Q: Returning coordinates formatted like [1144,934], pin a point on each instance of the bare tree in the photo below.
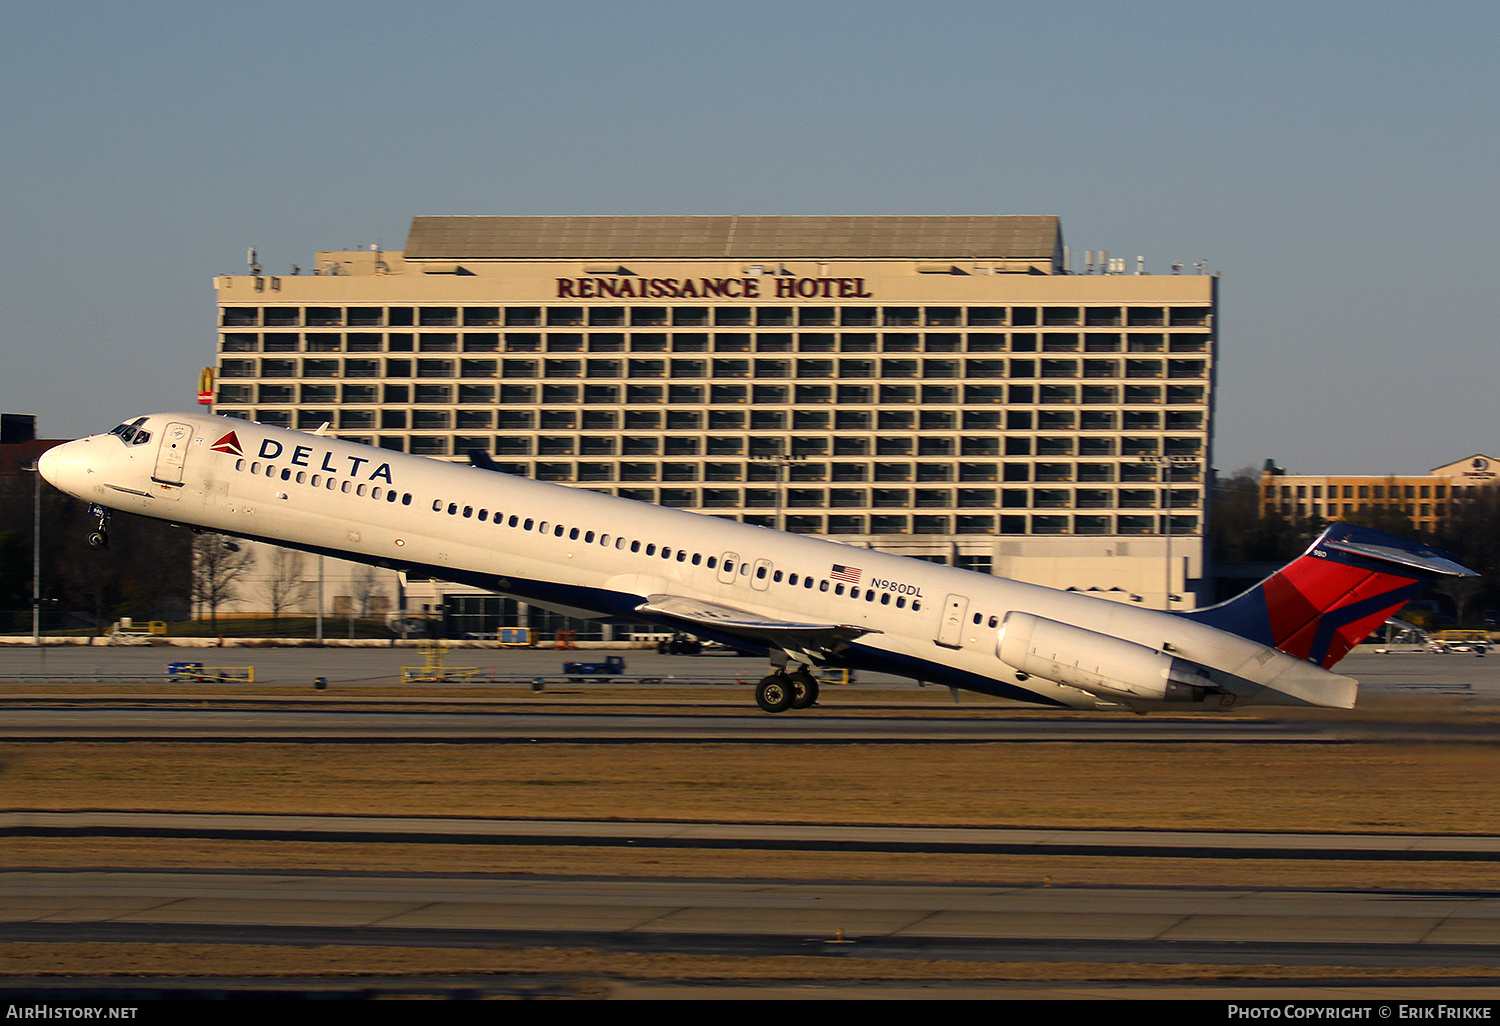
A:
[1472,534]
[364,585]
[1465,593]
[1240,532]
[219,566]
[286,583]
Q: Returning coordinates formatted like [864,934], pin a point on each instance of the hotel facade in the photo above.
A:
[939,387]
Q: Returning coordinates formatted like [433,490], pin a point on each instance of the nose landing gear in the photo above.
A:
[99,536]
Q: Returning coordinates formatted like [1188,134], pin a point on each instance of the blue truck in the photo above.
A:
[613,666]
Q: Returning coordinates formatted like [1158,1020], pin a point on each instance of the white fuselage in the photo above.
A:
[597,555]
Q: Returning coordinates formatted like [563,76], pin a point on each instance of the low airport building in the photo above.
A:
[1427,500]
[939,387]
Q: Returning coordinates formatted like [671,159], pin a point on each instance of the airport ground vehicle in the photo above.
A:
[611,666]
[1464,642]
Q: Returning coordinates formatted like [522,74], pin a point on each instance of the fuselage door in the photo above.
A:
[729,565]
[760,576]
[172,454]
[951,629]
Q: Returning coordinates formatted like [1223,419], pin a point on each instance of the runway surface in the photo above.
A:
[112,720]
[1175,844]
[1477,679]
[1217,925]
[1192,917]
[67,694]
[916,919]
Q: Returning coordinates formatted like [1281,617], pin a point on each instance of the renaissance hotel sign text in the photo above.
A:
[712,288]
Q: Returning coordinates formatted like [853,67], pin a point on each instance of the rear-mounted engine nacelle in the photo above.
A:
[1097,663]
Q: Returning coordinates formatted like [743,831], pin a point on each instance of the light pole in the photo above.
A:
[1166,602]
[320,600]
[1167,463]
[36,557]
[780,461]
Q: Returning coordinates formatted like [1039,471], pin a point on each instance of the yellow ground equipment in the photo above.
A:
[433,670]
[197,673]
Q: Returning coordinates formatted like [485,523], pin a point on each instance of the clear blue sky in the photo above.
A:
[1336,162]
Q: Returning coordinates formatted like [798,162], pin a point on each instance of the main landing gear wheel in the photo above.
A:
[805,687]
[775,693]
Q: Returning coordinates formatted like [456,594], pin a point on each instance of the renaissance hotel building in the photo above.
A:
[939,387]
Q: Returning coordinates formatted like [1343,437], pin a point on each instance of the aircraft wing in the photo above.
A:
[814,640]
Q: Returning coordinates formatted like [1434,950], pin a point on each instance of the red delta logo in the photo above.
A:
[230,443]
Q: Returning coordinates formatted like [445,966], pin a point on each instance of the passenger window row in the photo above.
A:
[343,485]
[666,552]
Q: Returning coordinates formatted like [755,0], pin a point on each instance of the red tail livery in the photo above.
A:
[1331,597]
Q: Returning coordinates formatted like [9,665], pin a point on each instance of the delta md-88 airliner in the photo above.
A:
[804,601]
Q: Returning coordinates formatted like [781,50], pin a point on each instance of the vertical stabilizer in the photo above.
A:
[1331,597]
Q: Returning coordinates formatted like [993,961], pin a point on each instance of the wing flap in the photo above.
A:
[816,640]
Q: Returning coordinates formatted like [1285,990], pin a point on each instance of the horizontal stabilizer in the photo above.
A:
[1427,562]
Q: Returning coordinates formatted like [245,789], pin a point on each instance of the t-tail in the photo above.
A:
[1330,598]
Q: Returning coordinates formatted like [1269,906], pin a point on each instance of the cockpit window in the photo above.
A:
[133,433]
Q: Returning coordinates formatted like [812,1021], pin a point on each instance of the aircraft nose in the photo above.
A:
[48,464]
[63,466]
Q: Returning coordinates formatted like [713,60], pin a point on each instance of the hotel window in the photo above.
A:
[437,316]
[434,394]
[731,342]
[1185,316]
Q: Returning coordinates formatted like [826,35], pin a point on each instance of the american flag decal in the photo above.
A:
[847,574]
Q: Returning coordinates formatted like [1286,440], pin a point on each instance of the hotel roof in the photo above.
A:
[771,237]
